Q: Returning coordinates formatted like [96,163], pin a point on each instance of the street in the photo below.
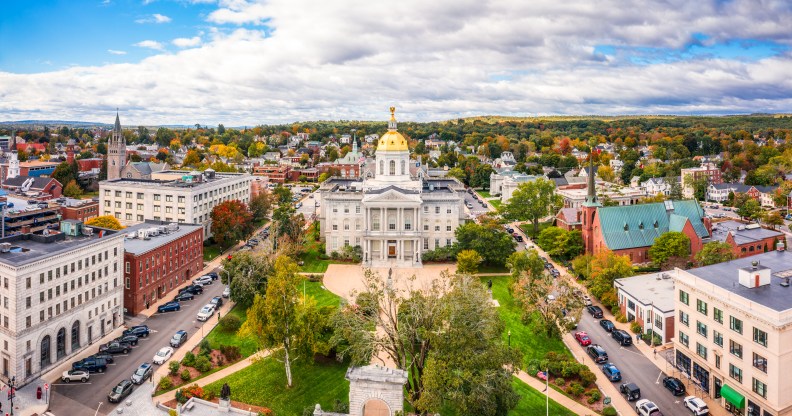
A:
[477,209]
[83,398]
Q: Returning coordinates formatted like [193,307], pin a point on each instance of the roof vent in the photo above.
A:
[5,247]
[780,246]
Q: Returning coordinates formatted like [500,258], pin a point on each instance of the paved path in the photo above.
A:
[346,279]
[565,401]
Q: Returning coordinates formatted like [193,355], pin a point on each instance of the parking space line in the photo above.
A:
[70,384]
[658,378]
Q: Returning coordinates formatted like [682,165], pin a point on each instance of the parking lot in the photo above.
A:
[77,398]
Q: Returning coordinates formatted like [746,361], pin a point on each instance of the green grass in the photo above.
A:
[484,194]
[263,383]
[495,203]
[323,296]
[247,346]
[493,269]
[211,251]
[313,259]
[528,227]
[533,401]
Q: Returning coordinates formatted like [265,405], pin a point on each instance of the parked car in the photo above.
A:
[622,337]
[141,331]
[75,375]
[227,292]
[203,281]
[105,356]
[181,297]
[206,312]
[518,238]
[595,311]
[646,408]
[163,355]
[128,338]
[121,391]
[193,289]
[510,230]
[611,372]
[116,347]
[582,338]
[597,353]
[142,373]
[169,307]
[179,338]
[696,405]
[217,301]
[214,275]
[587,301]
[607,325]
[90,364]
[674,385]
[631,391]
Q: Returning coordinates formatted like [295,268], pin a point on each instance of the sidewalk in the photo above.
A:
[565,401]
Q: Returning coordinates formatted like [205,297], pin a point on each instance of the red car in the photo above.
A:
[582,338]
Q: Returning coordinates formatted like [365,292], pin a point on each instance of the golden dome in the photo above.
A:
[392,140]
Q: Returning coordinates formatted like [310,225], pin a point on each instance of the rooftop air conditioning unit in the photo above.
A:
[153,231]
[5,247]
[88,231]
[173,226]
[142,234]
[740,228]
[131,235]
[163,229]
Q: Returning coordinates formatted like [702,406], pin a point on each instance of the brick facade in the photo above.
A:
[82,213]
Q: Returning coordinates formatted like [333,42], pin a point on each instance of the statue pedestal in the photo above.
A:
[224,405]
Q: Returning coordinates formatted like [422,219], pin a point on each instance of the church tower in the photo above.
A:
[589,208]
[13,159]
[116,151]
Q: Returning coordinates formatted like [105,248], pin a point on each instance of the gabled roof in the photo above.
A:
[632,226]
[570,215]
[39,182]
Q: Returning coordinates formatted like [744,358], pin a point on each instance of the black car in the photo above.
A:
[214,275]
[181,297]
[142,331]
[630,390]
[179,338]
[116,347]
[193,289]
[597,353]
[128,339]
[607,325]
[217,301]
[623,337]
[90,364]
[595,311]
[105,356]
[674,385]
[119,392]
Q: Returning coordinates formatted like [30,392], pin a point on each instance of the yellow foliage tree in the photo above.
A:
[105,221]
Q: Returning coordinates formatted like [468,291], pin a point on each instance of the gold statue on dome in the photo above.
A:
[393,111]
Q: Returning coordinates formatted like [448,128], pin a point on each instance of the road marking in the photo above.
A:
[630,351]
[658,378]
[76,383]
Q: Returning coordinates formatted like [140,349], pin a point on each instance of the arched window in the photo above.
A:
[60,350]
[75,334]
[402,167]
[392,167]
[382,167]
[45,352]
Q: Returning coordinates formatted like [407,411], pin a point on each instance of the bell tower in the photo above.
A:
[116,151]
[589,207]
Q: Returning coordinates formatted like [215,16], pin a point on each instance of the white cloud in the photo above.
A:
[187,42]
[154,18]
[116,52]
[434,60]
[151,44]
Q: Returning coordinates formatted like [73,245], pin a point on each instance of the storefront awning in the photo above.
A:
[732,396]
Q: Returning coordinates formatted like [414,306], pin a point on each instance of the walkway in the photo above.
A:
[563,400]
[346,279]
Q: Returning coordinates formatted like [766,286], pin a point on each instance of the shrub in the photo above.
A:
[205,348]
[165,383]
[188,360]
[367,303]
[575,389]
[180,396]
[203,364]
[230,323]
[185,375]
[340,407]
[172,412]
[230,352]
[587,377]
[620,318]
[636,328]
[609,411]
[173,368]
[559,381]
[209,395]
[194,391]
[334,255]
[591,400]
[596,395]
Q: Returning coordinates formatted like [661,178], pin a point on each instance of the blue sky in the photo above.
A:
[245,62]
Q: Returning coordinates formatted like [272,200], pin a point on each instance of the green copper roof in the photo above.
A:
[632,226]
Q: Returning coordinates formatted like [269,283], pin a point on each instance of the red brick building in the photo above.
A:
[568,219]
[48,187]
[746,239]
[79,209]
[275,173]
[157,259]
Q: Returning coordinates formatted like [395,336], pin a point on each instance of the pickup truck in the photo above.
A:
[116,347]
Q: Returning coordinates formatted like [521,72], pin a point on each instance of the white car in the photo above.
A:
[206,312]
[163,355]
[226,292]
[696,405]
[203,280]
[75,375]
[646,408]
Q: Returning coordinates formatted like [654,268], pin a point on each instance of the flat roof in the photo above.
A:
[653,288]
[726,276]
[29,248]
[137,246]
[720,230]
[177,183]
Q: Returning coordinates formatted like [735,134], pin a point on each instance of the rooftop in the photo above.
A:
[773,296]
[742,234]
[177,181]
[28,248]
[654,288]
[139,246]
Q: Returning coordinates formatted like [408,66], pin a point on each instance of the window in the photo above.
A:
[701,351]
[437,209]
[426,209]
[382,167]
[735,373]
[392,167]
[760,362]
[375,225]
[701,306]
[156,197]
[717,338]
[718,315]
[759,388]
[168,198]
[701,329]
[140,195]
[717,361]
[426,244]
[448,227]
[683,297]
[683,339]
[683,318]
[735,348]
[735,325]
[760,337]
[357,209]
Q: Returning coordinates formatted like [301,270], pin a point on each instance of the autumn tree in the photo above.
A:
[558,242]
[285,321]
[747,207]
[468,261]
[604,268]
[65,173]
[532,293]
[606,173]
[105,221]
[671,248]
[772,219]
[525,261]
[260,205]
[231,221]
[72,190]
[532,201]
[715,252]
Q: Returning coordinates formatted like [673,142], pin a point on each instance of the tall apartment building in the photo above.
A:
[172,196]
[707,170]
[61,291]
[734,332]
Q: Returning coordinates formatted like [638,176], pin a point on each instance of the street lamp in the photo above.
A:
[510,337]
[12,393]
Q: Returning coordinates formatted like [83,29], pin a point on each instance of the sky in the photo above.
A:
[249,62]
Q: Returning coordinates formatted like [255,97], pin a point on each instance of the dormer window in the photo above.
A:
[640,225]
[626,227]
[655,224]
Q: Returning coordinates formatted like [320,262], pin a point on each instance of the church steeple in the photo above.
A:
[116,151]
[117,127]
[591,195]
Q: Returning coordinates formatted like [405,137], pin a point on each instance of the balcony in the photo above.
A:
[392,233]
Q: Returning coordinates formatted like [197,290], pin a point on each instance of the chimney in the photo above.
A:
[780,245]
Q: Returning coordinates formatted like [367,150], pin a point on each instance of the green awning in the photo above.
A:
[732,396]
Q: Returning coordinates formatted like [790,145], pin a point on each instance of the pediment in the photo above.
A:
[392,195]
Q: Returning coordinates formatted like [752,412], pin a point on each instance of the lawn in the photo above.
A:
[323,296]
[528,227]
[211,251]
[495,203]
[492,269]
[484,194]
[314,261]
[263,383]
[533,401]
[247,346]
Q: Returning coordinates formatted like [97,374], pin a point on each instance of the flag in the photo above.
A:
[542,375]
